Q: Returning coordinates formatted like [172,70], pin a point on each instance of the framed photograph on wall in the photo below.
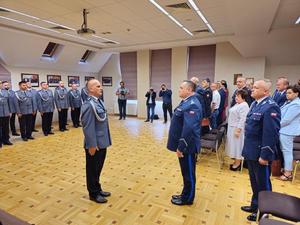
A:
[106,81]
[53,80]
[87,78]
[73,80]
[32,78]
[235,77]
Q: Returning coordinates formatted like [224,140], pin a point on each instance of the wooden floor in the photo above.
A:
[43,181]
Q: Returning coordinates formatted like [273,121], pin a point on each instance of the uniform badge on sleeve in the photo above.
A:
[273,114]
[192,112]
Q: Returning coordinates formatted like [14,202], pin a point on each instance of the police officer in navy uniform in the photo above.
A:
[33,93]
[261,137]
[12,106]
[75,104]
[25,107]
[184,139]
[4,113]
[96,140]
[45,105]
[62,105]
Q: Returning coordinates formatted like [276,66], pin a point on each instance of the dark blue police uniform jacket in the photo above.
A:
[262,130]
[279,98]
[184,133]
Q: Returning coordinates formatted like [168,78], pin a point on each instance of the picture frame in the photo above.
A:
[32,78]
[73,79]
[53,80]
[250,80]
[87,78]
[235,77]
[107,81]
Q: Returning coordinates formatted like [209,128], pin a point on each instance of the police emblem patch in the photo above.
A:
[273,114]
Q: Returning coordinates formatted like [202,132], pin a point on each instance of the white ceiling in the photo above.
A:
[254,27]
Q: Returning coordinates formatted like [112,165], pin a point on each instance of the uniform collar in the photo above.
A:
[187,98]
[261,99]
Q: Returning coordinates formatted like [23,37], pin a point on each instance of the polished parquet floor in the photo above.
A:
[43,181]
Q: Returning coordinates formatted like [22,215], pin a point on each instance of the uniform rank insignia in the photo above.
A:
[273,114]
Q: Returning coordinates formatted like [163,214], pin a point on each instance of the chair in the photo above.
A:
[266,221]
[213,141]
[280,205]
[296,155]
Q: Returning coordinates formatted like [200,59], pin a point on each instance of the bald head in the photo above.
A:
[94,87]
[186,89]
[261,88]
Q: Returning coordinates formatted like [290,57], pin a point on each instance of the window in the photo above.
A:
[50,49]
[128,64]
[161,64]
[85,56]
[201,62]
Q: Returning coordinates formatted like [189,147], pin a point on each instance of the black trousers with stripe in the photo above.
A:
[188,171]
[47,122]
[62,119]
[25,122]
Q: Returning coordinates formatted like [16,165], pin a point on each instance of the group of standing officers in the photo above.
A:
[26,102]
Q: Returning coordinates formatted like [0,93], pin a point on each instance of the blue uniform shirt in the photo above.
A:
[61,98]
[262,130]
[74,98]
[4,103]
[45,101]
[166,96]
[184,133]
[84,94]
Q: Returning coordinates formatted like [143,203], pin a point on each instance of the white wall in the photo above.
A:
[16,78]
[292,72]
[229,62]
[111,69]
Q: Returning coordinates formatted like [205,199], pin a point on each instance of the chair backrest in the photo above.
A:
[220,135]
[297,139]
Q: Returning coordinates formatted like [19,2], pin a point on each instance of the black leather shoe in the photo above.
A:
[176,196]
[25,139]
[62,130]
[252,217]
[180,202]
[146,120]
[79,125]
[105,194]
[248,209]
[235,168]
[8,143]
[50,132]
[31,138]
[34,130]
[120,118]
[66,129]
[15,134]
[98,199]
[45,134]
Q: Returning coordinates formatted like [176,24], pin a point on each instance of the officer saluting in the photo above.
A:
[96,139]
[184,139]
[45,104]
[25,107]
[75,104]
[261,137]
[62,105]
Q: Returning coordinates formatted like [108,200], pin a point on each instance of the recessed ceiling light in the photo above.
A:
[200,14]
[23,14]
[57,24]
[171,17]
[43,28]
[298,20]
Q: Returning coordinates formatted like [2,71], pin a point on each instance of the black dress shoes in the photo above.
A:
[252,217]
[15,134]
[105,194]
[35,130]
[235,168]
[66,129]
[8,143]
[179,201]
[146,120]
[25,139]
[248,209]
[98,199]
[176,196]
[31,138]
[50,132]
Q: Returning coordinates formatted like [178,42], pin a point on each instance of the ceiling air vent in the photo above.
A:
[183,5]
[59,28]
[201,31]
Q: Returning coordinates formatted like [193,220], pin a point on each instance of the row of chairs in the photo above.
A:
[296,155]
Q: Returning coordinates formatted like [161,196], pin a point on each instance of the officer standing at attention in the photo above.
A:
[261,137]
[166,95]
[45,105]
[25,107]
[184,139]
[84,93]
[62,105]
[75,104]
[96,140]
[33,93]
[4,113]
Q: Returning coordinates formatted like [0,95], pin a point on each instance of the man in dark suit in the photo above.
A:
[261,138]
[279,95]
[241,84]
[151,96]
[166,95]
[96,140]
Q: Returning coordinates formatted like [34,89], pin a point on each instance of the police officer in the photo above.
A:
[25,107]
[62,105]
[166,95]
[84,93]
[45,105]
[96,140]
[12,106]
[261,137]
[184,139]
[75,104]
[4,113]
[33,93]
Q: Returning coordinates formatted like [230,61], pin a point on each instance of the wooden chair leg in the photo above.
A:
[242,165]
[295,170]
